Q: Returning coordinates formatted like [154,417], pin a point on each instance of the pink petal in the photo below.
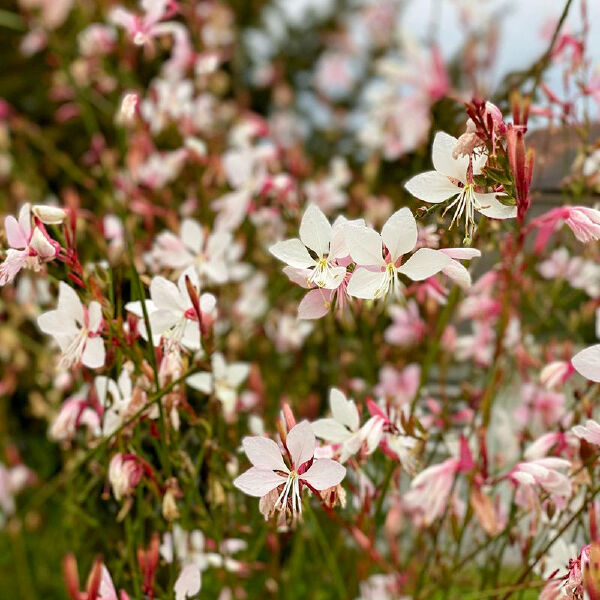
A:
[315,304]
[15,235]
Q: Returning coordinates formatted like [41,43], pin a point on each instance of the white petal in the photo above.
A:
[343,410]
[301,443]
[399,233]
[258,482]
[293,252]
[424,263]
[188,583]
[365,283]
[332,278]
[315,230]
[184,296]
[364,245]
[494,208]
[192,235]
[324,473]
[54,323]
[94,316]
[191,336]
[39,242]
[330,430]
[135,307]
[94,354]
[441,155]
[69,302]
[201,381]
[587,363]
[432,187]
[161,321]
[50,215]
[237,373]
[264,453]
[165,295]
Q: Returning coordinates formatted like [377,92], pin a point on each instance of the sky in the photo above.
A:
[523,23]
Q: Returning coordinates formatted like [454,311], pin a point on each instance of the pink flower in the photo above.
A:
[143,28]
[583,221]
[541,404]
[556,373]
[399,386]
[545,473]
[407,327]
[76,329]
[29,247]
[590,432]
[75,412]
[430,490]
[269,472]
[124,473]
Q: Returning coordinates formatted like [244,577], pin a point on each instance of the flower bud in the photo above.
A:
[50,215]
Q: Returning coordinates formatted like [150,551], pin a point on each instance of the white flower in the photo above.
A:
[378,274]
[316,234]
[344,428]
[171,312]
[115,407]
[450,180]
[76,329]
[224,381]
[189,549]
[269,472]
[214,257]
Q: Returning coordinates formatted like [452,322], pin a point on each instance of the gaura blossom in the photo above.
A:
[430,490]
[224,381]
[191,550]
[379,257]
[171,312]
[583,221]
[545,473]
[315,235]
[590,432]
[213,256]
[143,28]
[343,429]
[453,178]
[115,397]
[269,472]
[76,328]
[556,373]
[124,473]
[30,247]
[75,412]
[407,327]
[319,300]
